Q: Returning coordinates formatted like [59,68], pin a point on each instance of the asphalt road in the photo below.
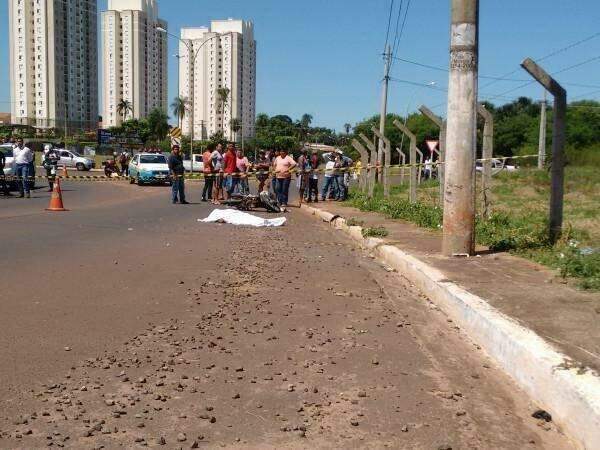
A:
[125,322]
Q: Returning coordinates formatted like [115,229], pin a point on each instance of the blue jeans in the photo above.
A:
[341,187]
[23,178]
[231,181]
[328,184]
[282,190]
[178,189]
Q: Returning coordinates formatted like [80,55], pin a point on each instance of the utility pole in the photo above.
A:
[487,154]
[557,183]
[542,144]
[461,135]
[384,98]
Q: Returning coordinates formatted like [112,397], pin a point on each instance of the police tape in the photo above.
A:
[259,174]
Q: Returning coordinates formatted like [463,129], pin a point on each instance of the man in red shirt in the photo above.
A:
[230,169]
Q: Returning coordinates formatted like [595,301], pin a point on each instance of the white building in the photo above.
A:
[134,57]
[225,57]
[53,63]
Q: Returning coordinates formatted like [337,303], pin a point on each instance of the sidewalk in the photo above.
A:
[532,294]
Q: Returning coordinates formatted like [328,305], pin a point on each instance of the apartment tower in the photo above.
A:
[134,56]
[53,63]
[225,57]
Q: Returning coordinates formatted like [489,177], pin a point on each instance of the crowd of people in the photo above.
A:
[227,172]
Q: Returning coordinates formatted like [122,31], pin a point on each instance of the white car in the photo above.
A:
[149,168]
[74,159]
[498,165]
[197,166]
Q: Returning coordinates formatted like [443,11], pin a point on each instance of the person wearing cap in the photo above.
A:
[177,174]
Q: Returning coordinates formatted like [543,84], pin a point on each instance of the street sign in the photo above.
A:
[432,145]
[176,133]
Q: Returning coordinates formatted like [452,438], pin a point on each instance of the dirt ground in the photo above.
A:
[279,338]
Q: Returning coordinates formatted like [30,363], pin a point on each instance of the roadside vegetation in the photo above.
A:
[518,223]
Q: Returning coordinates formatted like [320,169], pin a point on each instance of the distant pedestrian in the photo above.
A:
[329,186]
[124,162]
[177,174]
[230,169]
[23,159]
[283,166]
[50,163]
[427,168]
[5,188]
[313,181]
[217,162]
[262,167]
[303,175]
[207,191]
[242,164]
[344,181]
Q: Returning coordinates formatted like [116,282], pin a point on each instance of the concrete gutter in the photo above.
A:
[547,375]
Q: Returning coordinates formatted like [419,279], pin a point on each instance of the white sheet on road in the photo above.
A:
[235,217]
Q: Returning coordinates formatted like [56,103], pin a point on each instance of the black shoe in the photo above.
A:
[204,200]
[184,203]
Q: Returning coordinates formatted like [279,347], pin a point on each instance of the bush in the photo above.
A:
[375,232]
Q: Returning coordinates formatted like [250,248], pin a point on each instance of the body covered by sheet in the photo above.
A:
[235,217]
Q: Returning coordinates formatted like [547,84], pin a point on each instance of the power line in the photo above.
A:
[398,17]
[387,33]
[414,83]
[397,44]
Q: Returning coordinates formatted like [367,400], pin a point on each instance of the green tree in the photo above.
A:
[223,98]
[180,106]
[236,125]
[347,127]
[124,108]
[158,124]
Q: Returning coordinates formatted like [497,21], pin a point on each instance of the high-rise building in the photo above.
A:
[53,63]
[223,62]
[134,60]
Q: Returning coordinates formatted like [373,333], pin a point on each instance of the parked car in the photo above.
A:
[10,167]
[198,164]
[498,165]
[73,159]
[149,168]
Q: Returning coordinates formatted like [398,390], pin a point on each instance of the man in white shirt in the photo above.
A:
[23,159]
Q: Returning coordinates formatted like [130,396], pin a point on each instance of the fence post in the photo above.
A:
[487,154]
[364,160]
[412,160]
[557,186]
[441,123]
[387,146]
[374,163]
[402,160]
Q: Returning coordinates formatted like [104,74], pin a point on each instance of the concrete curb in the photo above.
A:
[544,373]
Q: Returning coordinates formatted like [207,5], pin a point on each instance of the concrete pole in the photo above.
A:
[557,184]
[384,98]
[402,161]
[412,160]
[364,160]
[442,153]
[374,163]
[542,143]
[487,154]
[387,146]
[461,134]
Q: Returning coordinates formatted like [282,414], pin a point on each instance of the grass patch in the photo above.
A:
[354,222]
[518,223]
[375,232]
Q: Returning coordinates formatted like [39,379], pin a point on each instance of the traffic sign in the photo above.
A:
[175,132]
[432,145]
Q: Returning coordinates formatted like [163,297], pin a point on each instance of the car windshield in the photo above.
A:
[153,159]
[76,154]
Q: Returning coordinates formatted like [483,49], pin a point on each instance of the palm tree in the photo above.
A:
[180,107]
[236,125]
[306,120]
[124,107]
[347,127]
[223,97]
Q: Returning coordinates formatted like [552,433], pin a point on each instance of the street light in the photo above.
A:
[192,59]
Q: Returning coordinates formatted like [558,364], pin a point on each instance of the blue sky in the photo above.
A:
[324,57]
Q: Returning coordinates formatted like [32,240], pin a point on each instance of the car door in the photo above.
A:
[66,159]
[133,166]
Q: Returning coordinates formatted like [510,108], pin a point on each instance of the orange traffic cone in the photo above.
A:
[65,173]
[56,203]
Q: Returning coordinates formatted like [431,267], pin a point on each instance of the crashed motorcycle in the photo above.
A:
[265,200]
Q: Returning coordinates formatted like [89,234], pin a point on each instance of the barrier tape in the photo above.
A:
[251,173]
